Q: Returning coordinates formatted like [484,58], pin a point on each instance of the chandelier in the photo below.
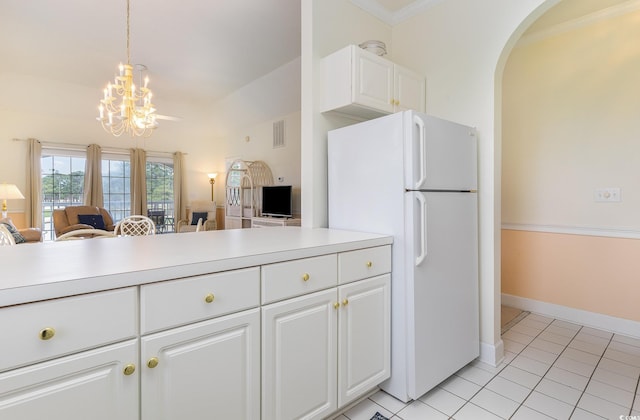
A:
[127,108]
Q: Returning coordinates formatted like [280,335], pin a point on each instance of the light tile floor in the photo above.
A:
[552,370]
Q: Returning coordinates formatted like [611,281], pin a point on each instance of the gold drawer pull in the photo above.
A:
[129,369]
[47,333]
[369,264]
[345,302]
[209,298]
[306,276]
[336,305]
[153,362]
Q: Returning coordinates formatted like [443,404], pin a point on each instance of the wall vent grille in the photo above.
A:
[278,134]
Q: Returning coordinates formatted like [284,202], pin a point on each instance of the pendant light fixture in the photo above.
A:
[125,107]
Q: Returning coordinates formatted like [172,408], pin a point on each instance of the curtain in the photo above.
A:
[138,182]
[93,177]
[34,184]
[179,193]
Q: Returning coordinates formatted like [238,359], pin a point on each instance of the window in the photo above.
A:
[159,173]
[116,185]
[62,184]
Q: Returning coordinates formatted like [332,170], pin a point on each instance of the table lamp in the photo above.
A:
[8,192]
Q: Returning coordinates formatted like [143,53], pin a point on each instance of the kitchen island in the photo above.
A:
[249,323]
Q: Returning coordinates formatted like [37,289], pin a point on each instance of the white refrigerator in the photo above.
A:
[414,176]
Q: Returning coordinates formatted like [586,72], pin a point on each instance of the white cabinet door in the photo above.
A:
[87,385]
[372,81]
[299,357]
[208,370]
[410,90]
[363,336]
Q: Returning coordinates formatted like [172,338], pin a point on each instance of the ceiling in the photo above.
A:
[196,51]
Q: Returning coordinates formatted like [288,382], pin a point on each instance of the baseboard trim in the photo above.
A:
[492,354]
[575,230]
[588,319]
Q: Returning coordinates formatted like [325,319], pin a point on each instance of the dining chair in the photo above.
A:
[85,234]
[136,225]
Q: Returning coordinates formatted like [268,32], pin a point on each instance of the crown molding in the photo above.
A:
[394,18]
[581,22]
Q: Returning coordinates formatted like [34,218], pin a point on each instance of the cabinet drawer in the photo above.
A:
[43,330]
[363,263]
[179,302]
[298,277]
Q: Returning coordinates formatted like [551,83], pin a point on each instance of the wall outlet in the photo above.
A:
[607,195]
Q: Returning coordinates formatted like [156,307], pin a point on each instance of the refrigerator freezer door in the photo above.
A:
[439,154]
[442,263]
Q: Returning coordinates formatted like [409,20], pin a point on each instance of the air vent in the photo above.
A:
[278,134]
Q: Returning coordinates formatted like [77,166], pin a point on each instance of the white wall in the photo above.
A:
[571,106]
[250,112]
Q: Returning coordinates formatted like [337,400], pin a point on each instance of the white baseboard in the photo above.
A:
[578,316]
[492,354]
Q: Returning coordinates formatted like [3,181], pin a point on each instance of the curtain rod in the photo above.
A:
[73,146]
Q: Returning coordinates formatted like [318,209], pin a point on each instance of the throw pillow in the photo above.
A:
[198,215]
[95,220]
[17,237]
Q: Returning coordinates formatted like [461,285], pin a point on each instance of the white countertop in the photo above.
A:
[32,272]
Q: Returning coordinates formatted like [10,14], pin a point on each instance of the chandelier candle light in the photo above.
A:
[131,111]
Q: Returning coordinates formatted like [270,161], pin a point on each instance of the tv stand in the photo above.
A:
[262,222]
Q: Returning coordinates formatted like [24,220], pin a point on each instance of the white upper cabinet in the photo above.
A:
[360,83]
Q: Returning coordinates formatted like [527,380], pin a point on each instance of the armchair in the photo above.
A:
[68,219]
[205,210]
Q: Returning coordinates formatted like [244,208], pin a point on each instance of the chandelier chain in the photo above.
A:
[128,33]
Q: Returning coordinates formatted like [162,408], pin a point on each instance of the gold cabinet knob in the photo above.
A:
[336,305]
[129,369]
[47,333]
[393,102]
[153,362]
[345,302]
[306,276]
[369,264]
[209,298]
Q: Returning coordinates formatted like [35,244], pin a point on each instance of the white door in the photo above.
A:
[208,370]
[439,154]
[442,273]
[409,87]
[87,385]
[364,344]
[299,357]
[372,81]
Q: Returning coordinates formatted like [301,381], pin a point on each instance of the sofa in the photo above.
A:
[22,235]
[81,217]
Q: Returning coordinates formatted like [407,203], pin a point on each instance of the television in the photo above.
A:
[277,201]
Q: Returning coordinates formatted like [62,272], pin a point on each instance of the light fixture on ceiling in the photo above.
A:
[130,110]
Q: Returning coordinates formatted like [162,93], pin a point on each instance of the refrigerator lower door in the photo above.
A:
[441,264]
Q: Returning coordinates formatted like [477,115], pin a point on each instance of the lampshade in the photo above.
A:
[8,192]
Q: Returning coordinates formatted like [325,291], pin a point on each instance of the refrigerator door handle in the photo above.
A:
[423,229]
[422,155]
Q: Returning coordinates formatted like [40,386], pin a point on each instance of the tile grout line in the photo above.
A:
[547,371]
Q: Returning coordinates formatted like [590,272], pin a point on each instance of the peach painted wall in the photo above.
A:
[592,273]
